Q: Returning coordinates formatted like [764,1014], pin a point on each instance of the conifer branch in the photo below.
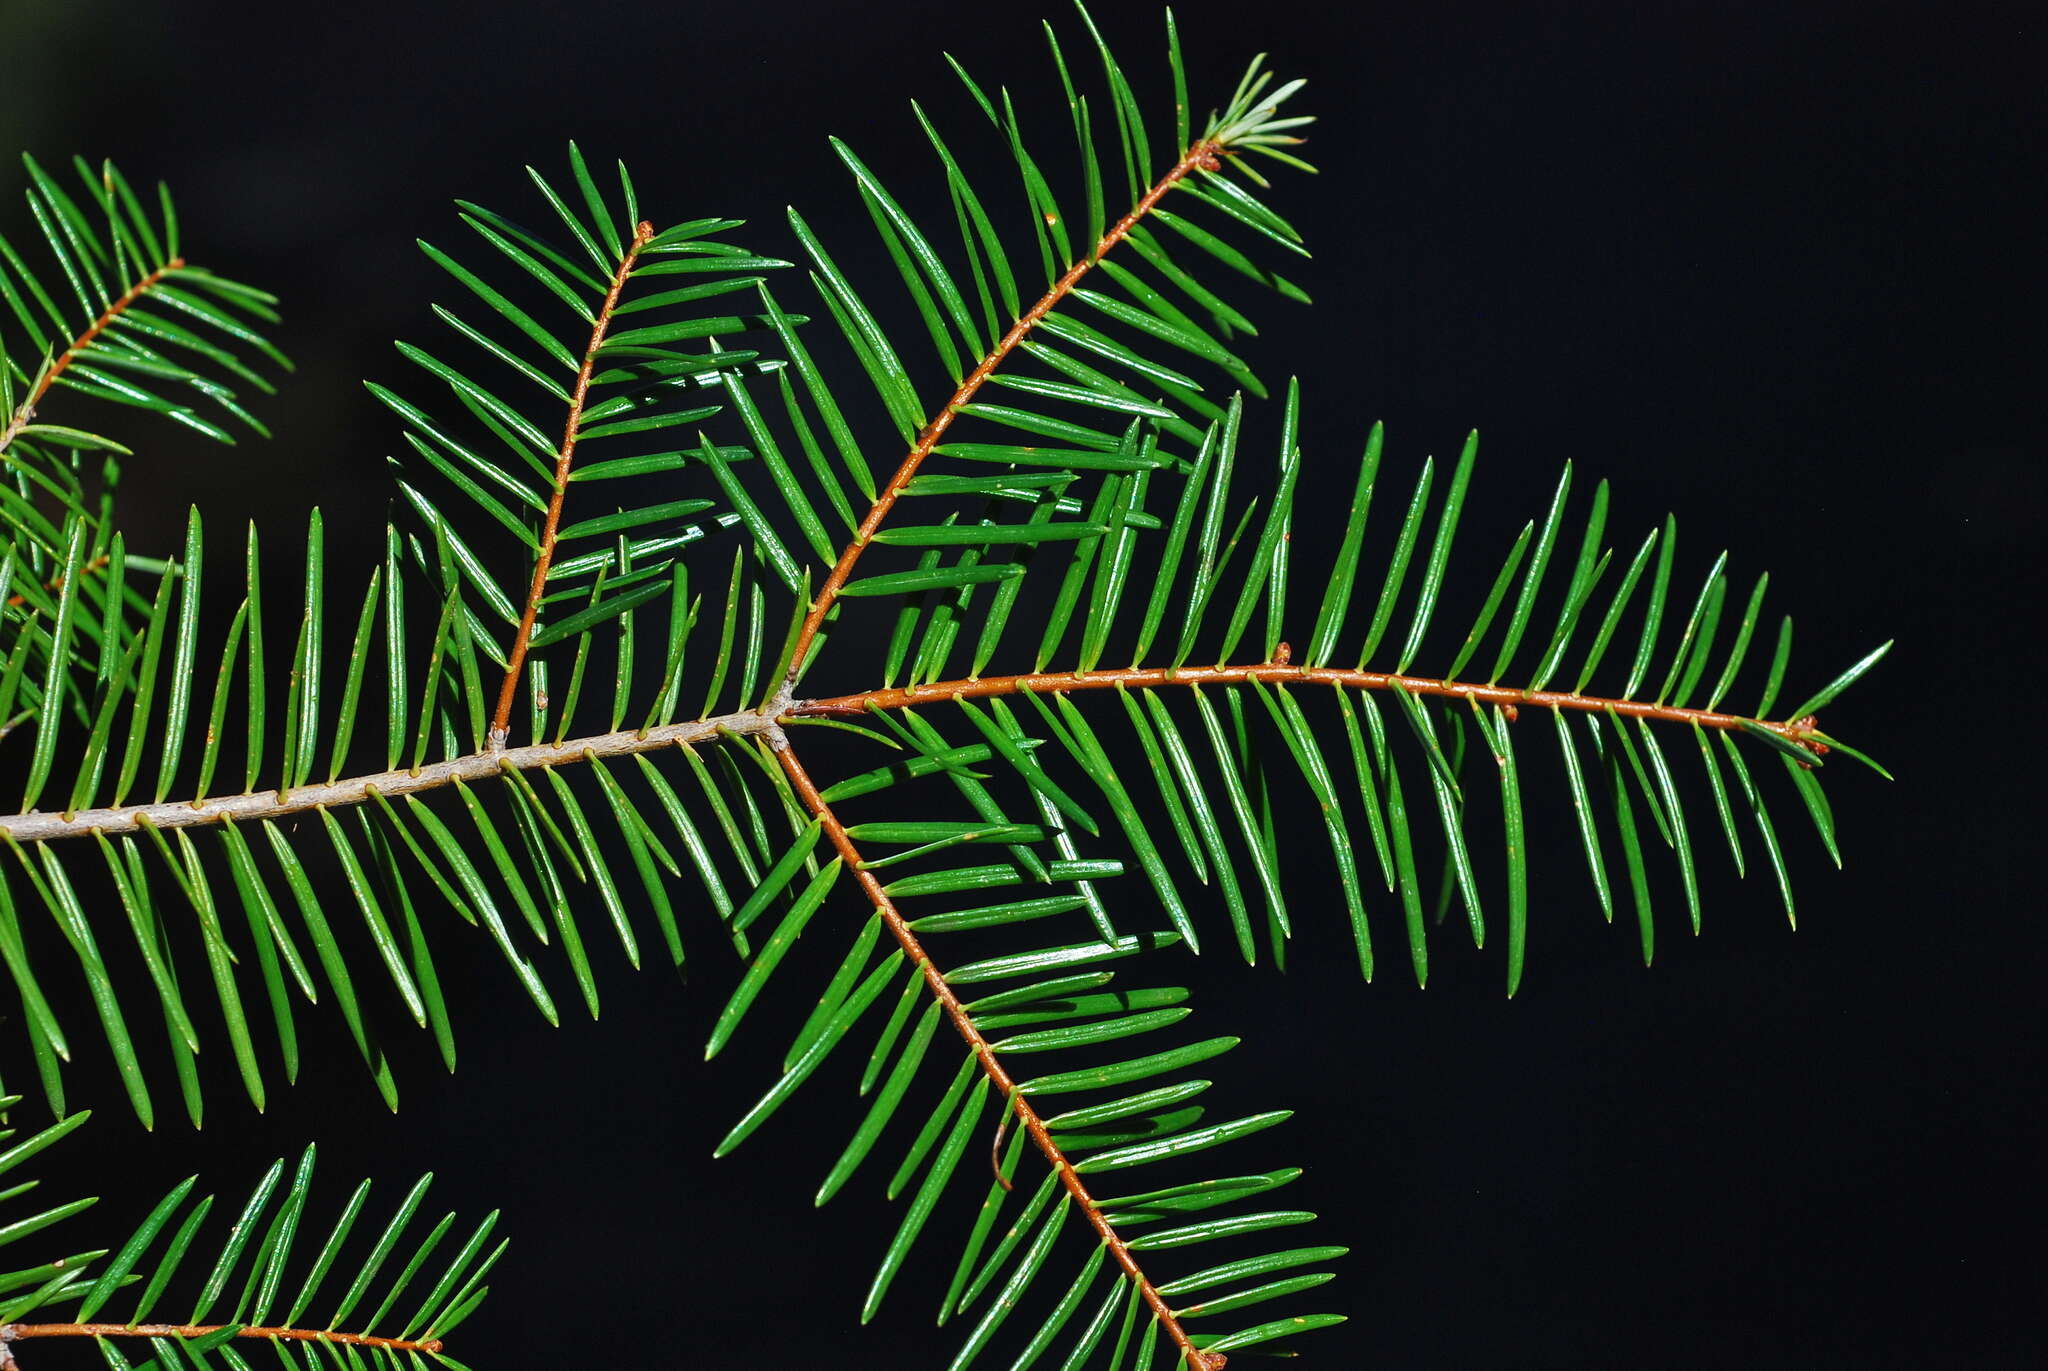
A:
[565,459]
[1280,672]
[1203,155]
[999,1079]
[85,664]
[37,826]
[25,413]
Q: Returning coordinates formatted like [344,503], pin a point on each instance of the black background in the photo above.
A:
[1766,265]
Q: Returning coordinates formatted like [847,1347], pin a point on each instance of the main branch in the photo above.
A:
[999,1078]
[565,458]
[38,826]
[1202,156]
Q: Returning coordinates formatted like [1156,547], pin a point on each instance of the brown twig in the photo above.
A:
[27,410]
[13,1333]
[1203,155]
[999,1079]
[57,583]
[565,458]
[1060,682]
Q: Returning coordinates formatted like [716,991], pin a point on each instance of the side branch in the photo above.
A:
[22,416]
[1203,155]
[56,583]
[1027,1117]
[12,1333]
[1059,682]
[515,661]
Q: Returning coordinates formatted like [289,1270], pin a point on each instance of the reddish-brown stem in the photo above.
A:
[16,1332]
[1057,682]
[58,583]
[1201,155]
[26,413]
[1027,1117]
[565,458]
